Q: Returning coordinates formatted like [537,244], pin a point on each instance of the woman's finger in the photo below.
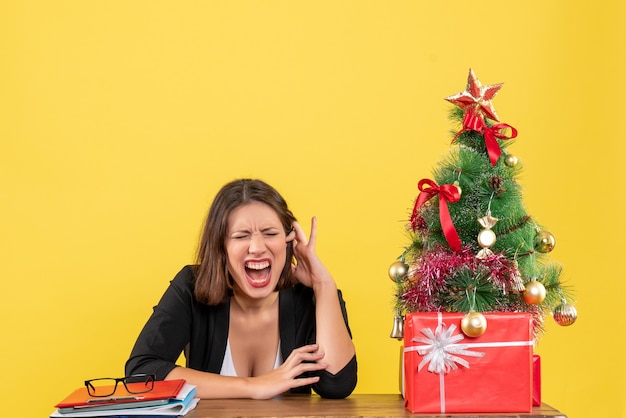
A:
[313,236]
[300,235]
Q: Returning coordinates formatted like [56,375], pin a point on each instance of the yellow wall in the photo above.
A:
[119,120]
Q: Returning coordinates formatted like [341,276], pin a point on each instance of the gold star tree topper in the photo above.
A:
[476,99]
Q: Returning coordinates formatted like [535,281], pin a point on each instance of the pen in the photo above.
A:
[115,399]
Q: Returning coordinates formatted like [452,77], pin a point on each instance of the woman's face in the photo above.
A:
[256,249]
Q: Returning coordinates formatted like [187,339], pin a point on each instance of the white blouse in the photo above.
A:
[228,367]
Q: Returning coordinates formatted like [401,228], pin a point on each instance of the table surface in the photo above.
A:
[353,406]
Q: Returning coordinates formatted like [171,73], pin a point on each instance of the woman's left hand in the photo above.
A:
[308,268]
[332,336]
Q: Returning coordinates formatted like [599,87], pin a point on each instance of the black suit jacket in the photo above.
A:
[180,323]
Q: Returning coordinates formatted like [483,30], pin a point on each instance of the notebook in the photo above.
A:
[163,390]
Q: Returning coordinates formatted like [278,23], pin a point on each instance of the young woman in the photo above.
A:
[258,315]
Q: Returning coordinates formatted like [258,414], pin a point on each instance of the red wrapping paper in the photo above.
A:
[536,380]
[499,381]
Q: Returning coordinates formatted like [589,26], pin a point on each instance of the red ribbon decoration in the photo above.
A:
[473,121]
[447,193]
[490,134]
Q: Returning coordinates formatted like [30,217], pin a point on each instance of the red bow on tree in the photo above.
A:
[447,193]
[491,133]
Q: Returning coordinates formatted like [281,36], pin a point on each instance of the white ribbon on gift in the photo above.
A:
[442,352]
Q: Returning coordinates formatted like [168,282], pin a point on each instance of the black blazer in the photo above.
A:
[180,323]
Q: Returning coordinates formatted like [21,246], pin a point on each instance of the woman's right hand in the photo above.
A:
[301,360]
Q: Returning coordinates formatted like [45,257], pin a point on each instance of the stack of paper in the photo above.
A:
[168,398]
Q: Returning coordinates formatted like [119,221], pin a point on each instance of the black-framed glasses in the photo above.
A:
[106,386]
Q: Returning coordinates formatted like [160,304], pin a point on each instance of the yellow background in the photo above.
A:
[119,121]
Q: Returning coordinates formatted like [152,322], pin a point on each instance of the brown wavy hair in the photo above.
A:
[213,283]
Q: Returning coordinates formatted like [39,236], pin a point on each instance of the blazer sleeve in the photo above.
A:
[167,331]
[298,329]
[341,384]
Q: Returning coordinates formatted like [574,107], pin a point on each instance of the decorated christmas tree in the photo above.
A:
[473,246]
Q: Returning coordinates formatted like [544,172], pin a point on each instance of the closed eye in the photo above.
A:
[240,236]
[271,232]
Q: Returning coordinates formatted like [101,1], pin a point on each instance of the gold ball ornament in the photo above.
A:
[457,186]
[534,292]
[474,324]
[544,241]
[565,314]
[510,160]
[397,270]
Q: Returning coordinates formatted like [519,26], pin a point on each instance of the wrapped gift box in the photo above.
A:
[536,380]
[446,371]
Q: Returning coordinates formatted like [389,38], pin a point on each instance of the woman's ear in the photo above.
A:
[291,235]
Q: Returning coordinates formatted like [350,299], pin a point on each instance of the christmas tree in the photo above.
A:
[473,246]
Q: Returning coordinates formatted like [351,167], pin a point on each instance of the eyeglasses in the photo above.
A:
[106,386]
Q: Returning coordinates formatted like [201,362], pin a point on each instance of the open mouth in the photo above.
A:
[258,272]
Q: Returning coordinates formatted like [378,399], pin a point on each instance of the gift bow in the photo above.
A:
[441,351]
[473,121]
[447,193]
[490,134]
